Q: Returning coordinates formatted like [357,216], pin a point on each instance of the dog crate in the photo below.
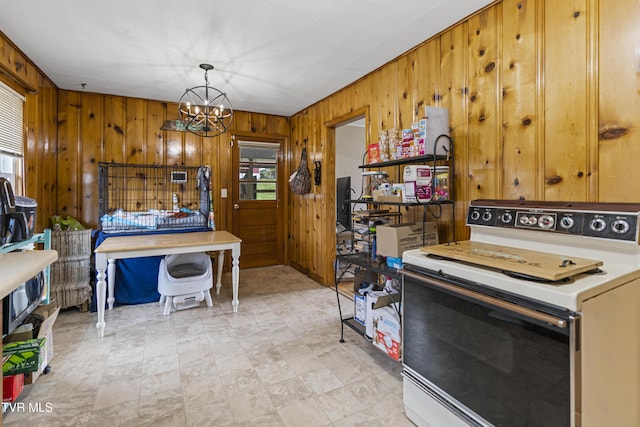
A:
[152,197]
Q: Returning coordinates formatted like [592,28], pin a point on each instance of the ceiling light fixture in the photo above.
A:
[204,110]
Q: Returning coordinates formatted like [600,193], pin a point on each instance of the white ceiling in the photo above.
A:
[270,56]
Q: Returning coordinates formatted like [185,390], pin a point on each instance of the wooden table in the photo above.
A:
[18,267]
[120,247]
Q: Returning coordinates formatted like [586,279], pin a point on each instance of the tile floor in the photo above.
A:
[277,362]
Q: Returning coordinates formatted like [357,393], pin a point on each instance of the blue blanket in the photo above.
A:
[136,278]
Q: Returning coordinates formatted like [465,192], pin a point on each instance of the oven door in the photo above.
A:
[488,360]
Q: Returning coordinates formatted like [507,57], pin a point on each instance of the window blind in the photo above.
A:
[10,121]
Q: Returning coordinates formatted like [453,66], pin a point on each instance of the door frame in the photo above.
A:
[283,194]
[329,233]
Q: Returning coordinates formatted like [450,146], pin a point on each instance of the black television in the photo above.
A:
[343,206]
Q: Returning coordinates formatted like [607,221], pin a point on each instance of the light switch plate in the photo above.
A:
[223,193]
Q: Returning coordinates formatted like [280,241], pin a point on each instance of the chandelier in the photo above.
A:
[204,110]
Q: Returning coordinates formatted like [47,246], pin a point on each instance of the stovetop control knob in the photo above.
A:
[620,226]
[506,217]
[475,215]
[597,224]
[566,222]
[546,221]
[486,216]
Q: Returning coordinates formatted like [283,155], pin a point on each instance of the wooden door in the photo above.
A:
[257,211]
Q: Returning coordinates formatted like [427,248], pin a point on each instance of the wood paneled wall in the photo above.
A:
[96,128]
[543,98]
[40,118]
[69,132]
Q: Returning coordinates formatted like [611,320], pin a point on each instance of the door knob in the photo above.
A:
[236,206]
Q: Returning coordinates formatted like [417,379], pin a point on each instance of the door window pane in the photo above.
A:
[258,173]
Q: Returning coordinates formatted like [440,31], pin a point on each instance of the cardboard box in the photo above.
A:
[50,313]
[417,183]
[25,333]
[374,153]
[379,196]
[21,333]
[393,239]
[415,173]
[416,191]
[12,386]
[24,356]
[436,124]
[359,308]
[362,278]
[375,300]
[387,330]
[394,262]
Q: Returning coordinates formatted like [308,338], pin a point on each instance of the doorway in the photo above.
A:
[257,209]
[350,149]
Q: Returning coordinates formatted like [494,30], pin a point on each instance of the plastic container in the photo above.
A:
[441,180]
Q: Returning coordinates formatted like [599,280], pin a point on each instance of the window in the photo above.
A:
[11,137]
[258,170]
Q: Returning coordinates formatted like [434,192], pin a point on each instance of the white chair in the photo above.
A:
[184,281]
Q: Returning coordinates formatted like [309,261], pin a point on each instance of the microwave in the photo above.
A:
[20,303]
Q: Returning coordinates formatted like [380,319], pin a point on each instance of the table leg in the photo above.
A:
[235,275]
[111,280]
[219,271]
[100,293]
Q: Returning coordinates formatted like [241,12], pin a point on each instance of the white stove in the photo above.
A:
[485,344]
[598,231]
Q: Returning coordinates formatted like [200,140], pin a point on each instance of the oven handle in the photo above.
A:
[532,314]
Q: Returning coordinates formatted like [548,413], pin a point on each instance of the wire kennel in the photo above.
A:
[152,197]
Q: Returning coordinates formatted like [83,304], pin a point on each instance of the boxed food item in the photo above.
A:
[374,153]
[417,184]
[419,136]
[416,173]
[383,146]
[393,239]
[395,144]
[415,192]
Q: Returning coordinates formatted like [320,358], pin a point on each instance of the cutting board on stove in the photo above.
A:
[542,265]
